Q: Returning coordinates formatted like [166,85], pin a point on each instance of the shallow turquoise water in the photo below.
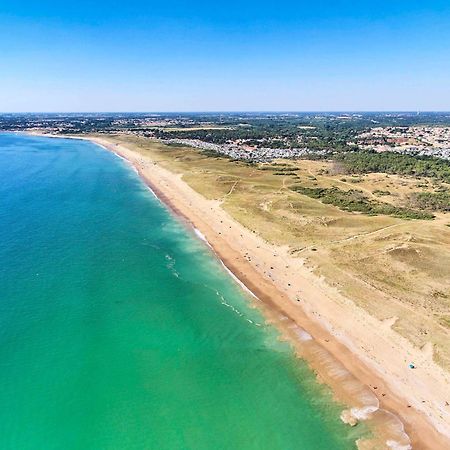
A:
[119,329]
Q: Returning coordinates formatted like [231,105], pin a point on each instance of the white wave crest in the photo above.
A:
[364,412]
[394,445]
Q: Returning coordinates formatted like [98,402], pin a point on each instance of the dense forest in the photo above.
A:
[395,163]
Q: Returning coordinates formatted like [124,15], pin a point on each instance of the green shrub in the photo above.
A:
[380,193]
[436,201]
[355,201]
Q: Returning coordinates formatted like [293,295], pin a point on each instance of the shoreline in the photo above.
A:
[330,354]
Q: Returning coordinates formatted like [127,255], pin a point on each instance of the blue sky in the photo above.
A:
[217,56]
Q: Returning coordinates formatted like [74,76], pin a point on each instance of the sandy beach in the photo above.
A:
[363,360]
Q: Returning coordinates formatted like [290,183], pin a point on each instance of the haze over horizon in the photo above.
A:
[146,56]
[230,112]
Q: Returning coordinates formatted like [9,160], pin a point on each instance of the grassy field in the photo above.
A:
[396,269]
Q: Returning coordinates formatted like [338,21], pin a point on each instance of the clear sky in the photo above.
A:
[171,55]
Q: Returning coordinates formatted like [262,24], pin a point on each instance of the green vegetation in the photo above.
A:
[272,131]
[436,201]
[287,169]
[445,321]
[380,193]
[355,201]
[395,163]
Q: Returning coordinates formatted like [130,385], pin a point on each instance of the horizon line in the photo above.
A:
[340,111]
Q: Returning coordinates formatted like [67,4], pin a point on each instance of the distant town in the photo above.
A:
[260,137]
[414,140]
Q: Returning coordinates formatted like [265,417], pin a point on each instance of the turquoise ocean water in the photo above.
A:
[120,330]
